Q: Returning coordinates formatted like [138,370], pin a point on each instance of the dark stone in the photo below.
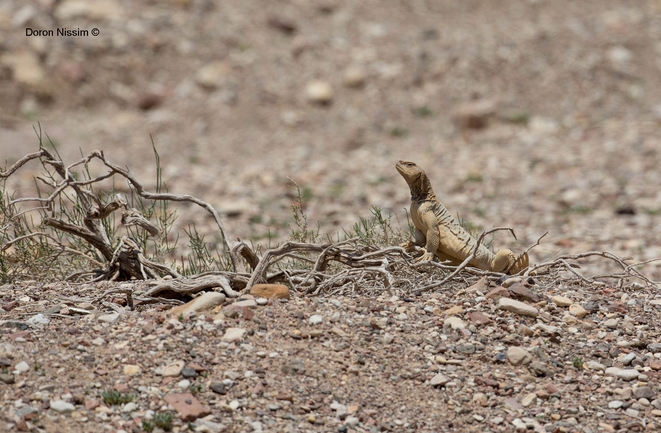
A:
[188,372]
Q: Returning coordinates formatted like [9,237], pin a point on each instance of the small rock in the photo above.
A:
[518,356]
[561,301]
[204,302]
[644,392]
[188,372]
[233,334]
[7,378]
[173,369]
[319,92]
[577,310]
[22,367]
[478,317]
[454,323]
[354,76]
[62,406]
[351,421]
[615,404]
[39,319]
[517,307]
[183,384]
[221,387]
[624,374]
[278,291]
[213,75]
[316,319]
[522,293]
[457,309]
[188,407]
[529,399]
[611,323]
[497,293]
[439,380]
[475,114]
[108,318]
[593,365]
[131,370]
[388,338]
[130,407]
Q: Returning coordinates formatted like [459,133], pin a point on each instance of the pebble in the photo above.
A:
[233,334]
[316,319]
[354,76]
[39,319]
[131,370]
[183,384]
[388,338]
[518,356]
[561,301]
[529,399]
[577,310]
[62,406]
[625,374]
[611,323]
[439,380]
[22,367]
[593,365]
[517,307]
[351,421]
[319,92]
[454,323]
[172,370]
[130,407]
[108,318]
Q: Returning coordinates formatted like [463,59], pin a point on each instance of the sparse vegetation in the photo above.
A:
[115,398]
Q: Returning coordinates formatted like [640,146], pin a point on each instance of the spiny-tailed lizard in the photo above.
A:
[441,235]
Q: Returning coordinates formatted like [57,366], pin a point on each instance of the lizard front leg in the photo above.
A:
[432,239]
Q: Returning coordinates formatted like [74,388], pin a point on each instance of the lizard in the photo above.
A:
[442,236]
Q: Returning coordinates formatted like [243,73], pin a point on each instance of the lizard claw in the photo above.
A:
[426,257]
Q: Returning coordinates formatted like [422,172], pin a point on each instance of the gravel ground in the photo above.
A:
[538,115]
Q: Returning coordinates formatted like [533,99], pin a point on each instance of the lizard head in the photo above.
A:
[409,171]
[416,178]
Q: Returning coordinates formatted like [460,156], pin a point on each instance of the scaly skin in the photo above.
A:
[442,236]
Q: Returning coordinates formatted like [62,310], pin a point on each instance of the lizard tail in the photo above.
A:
[506,261]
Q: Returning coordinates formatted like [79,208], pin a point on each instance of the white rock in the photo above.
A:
[39,319]
[439,380]
[62,406]
[173,369]
[561,301]
[529,399]
[316,319]
[351,421]
[517,307]
[518,356]
[130,407]
[108,318]
[233,334]
[454,322]
[22,367]
[388,338]
[213,75]
[593,365]
[184,384]
[611,323]
[628,374]
[319,92]
[615,404]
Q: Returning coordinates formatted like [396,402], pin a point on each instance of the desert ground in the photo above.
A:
[537,115]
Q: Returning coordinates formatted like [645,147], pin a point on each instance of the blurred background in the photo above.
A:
[538,115]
